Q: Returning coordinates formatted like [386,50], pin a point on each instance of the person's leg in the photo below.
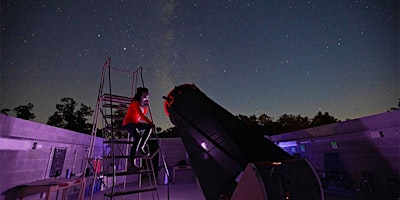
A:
[144,138]
[131,128]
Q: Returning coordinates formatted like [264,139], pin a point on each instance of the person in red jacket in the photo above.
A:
[135,120]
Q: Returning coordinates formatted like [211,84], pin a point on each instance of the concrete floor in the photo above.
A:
[190,190]
[177,191]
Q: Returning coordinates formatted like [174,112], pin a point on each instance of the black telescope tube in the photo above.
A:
[219,145]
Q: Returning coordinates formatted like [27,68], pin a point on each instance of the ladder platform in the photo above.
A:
[108,128]
[115,99]
[108,192]
[123,107]
[130,172]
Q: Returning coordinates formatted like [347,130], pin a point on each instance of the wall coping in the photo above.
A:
[16,128]
[373,123]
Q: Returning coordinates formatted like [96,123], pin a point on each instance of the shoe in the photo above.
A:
[134,168]
[144,151]
[141,153]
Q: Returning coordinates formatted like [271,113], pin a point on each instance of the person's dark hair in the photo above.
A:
[139,92]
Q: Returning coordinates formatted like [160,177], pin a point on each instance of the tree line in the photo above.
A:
[266,125]
[72,116]
[68,115]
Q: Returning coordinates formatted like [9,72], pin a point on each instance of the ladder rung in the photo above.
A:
[117,142]
[108,128]
[115,117]
[125,173]
[119,156]
[126,156]
[118,107]
[115,98]
[108,193]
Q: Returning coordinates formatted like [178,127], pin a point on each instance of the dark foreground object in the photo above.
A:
[230,158]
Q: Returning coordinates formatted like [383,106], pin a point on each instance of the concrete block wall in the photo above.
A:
[174,151]
[27,148]
[26,152]
[368,145]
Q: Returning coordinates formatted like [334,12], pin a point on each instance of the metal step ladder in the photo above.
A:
[141,186]
[115,177]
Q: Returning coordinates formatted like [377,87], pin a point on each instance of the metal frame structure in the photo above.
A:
[108,116]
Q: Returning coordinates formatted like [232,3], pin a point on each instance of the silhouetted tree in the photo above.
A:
[398,107]
[322,119]
[264,119]
[5,111]
[249,121]
[292,123]
[285,123]
[267,125]
[68,117]
[118,130]
[25,111]
[169,133]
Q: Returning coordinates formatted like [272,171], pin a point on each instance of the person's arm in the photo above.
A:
[142,116]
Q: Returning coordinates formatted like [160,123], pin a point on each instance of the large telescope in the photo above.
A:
[232,160]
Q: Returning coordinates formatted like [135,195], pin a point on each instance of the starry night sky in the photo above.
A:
[251,57]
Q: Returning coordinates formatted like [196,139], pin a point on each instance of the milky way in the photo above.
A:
[252,57]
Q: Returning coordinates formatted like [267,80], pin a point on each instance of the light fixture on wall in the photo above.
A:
[34,146]
[377,134]
[334,145]
[287,144]
[302,148]
[381,133]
